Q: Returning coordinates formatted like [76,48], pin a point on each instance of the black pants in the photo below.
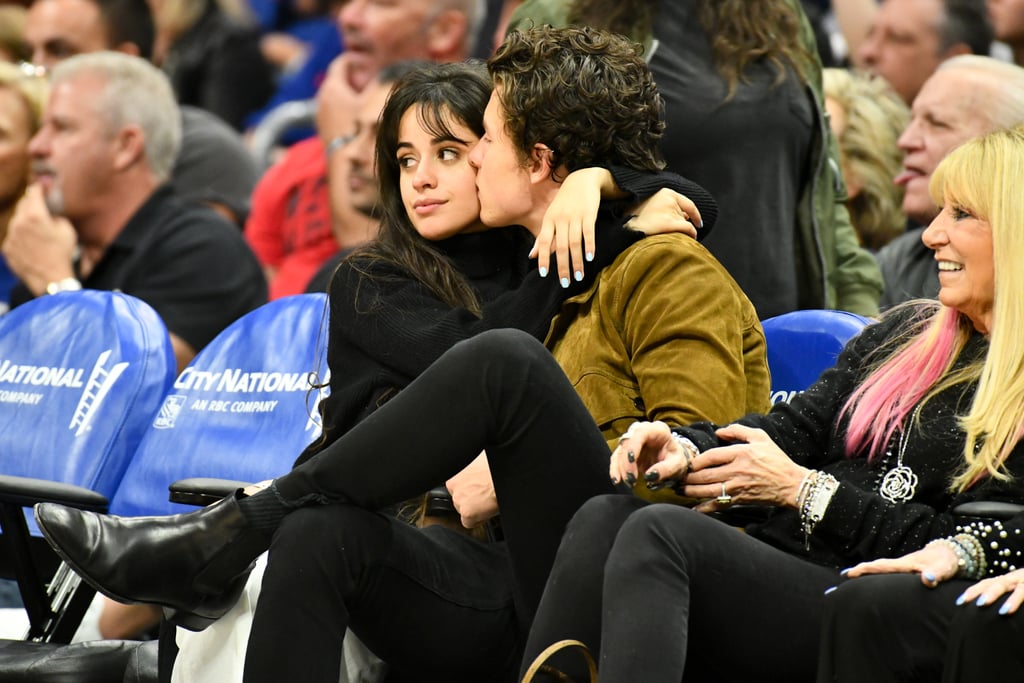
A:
[667,594]
[891,628]
[501,392]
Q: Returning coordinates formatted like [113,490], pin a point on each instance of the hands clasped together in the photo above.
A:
[752,469]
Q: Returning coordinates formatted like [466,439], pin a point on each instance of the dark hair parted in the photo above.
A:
[740,32]
[584,93]
[444,94]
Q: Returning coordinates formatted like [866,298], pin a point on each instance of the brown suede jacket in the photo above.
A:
[666,334]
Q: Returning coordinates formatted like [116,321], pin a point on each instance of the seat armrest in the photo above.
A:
[989,509]
[26,492]
[203,491]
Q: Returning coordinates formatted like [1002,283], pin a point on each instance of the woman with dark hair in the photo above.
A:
[744,118]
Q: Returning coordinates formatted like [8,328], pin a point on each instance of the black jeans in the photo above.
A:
[666,594]
[501,392]
[891,628]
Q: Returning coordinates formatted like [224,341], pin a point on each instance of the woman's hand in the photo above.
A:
[986,591]
[568,225]
[753,470]
[664,212]
[936,562]
[647,449]
[473,494]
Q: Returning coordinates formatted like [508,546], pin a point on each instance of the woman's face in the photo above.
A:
[963,251]
[437,183]
[15,132]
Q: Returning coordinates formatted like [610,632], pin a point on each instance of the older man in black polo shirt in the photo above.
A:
[100,214]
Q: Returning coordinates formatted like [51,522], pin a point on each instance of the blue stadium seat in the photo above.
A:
[242,410]
[802,344]
[81,376]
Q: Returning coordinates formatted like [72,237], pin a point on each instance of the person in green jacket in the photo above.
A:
[742,87]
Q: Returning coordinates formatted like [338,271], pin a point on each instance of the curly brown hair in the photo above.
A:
[740,32]
[586,94]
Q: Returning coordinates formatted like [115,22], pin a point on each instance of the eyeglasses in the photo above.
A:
[30,70]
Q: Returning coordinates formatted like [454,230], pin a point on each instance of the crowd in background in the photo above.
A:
[254,175]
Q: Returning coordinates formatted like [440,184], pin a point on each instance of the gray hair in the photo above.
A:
[1004,83]
[135,93]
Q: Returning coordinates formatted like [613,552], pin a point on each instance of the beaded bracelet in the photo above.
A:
[986,541]
[966,564]
[820,489]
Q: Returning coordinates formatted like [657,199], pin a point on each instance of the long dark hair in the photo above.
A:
[740,32]
[445,94]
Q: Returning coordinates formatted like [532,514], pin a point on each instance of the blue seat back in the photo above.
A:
[802,344]
[81,376]
[243,409]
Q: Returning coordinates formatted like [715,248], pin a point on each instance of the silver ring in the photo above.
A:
[724,498]
[627,434]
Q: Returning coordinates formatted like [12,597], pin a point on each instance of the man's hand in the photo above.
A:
[337,99]
[39,248]
[473,493]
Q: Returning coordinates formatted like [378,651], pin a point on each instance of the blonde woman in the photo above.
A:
[920,618]
[22,97]
[867,118]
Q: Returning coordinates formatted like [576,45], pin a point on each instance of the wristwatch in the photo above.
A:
[68,284]
[337,143]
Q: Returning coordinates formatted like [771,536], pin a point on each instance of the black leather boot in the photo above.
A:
[195,565]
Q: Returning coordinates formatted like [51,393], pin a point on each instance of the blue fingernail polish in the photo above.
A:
[565,283]
[961,600]
[1005,609]
[579,275]
[930,577]
[701,225]
[590,256]
[830,589]
[981,602]
[845,571]
[543,272]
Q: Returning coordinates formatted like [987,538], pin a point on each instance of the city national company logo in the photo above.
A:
[237,391]
[33,380]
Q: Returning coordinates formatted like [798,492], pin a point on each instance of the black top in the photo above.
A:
[752,152]
[185,261]
[860,524]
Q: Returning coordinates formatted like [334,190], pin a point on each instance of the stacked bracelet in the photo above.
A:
[815,494]
[690,449]
[987,540]
[970,560]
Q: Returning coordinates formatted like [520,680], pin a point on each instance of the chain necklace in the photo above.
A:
[900,483]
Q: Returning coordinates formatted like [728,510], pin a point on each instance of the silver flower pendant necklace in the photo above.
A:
[900,483]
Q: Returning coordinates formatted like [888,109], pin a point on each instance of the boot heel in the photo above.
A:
[187,620]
